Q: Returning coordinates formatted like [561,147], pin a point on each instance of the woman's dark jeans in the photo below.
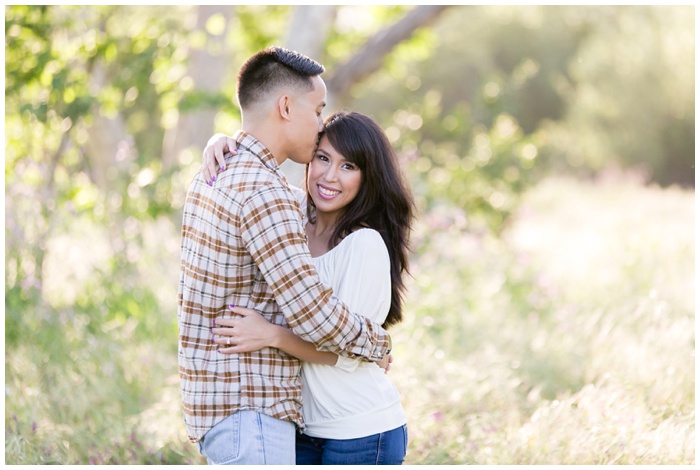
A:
[386,448]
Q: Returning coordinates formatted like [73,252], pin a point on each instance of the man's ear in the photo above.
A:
[283,105]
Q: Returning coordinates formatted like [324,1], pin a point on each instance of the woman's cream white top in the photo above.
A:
[354,398]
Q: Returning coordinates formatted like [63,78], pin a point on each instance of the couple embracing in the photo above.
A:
[284,293]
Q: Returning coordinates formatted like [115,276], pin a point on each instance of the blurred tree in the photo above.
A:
[308,33]
[450,106]
[370,57]
[80,126]
[46,94]
[361,64]
[208,68]
[634,104]
[309,28]
[550,71]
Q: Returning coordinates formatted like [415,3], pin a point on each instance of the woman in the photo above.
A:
[358,220]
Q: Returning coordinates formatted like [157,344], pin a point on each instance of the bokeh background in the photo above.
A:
[551,151]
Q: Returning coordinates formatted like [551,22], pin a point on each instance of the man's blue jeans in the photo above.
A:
[386,448]
[249,438]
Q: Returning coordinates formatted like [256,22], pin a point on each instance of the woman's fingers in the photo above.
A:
[230,146]
[225,322]
[213,160]
[246,331]
[225,332]
[235,348]
[206,174]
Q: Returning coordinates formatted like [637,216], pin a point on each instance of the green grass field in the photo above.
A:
[569,340]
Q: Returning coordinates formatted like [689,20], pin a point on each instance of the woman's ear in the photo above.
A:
[283,105]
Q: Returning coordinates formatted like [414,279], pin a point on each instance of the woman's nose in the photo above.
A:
[331,173]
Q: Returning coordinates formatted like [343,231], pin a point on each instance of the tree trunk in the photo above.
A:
[309,29]
[209,65]
[305,37]
[369,59]
[109,144]
[307,34]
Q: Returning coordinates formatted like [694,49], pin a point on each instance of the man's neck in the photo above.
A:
[264,132]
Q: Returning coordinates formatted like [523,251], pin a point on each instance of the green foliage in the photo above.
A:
[66,67]
[486,182]
[37,70]
[255,34]
[16,303]
[116,296]
[642,100]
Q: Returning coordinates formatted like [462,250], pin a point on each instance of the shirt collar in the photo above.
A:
[254,146]
[257,148]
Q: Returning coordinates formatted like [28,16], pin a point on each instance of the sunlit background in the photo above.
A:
[551,152]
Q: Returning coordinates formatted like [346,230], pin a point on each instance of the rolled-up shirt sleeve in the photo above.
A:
[271,228]
[362,278]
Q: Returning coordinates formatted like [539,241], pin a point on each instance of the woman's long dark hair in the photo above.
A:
[383,203]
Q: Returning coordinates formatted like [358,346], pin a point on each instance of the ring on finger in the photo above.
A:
[228,340]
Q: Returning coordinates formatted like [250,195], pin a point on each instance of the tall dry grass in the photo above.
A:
[570,340]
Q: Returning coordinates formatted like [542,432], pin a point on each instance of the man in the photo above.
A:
[243,243]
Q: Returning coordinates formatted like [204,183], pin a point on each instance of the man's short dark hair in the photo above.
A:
[272,68]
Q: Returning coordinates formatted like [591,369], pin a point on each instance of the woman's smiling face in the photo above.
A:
[333,181]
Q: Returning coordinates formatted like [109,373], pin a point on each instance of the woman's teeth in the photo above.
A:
[327,192]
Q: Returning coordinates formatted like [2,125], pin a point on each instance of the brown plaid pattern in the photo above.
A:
[243,243]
